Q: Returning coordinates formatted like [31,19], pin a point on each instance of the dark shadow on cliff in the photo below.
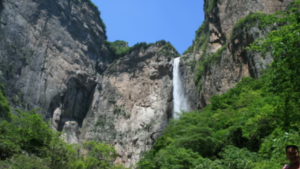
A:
[215,19]
[1,5]
[74,103]
[240,55]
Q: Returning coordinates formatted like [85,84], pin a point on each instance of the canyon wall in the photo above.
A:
[132,104]
[218,55]
[54,56]
[50,55]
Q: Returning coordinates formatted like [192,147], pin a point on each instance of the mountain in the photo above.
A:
[54,55]
[219,46]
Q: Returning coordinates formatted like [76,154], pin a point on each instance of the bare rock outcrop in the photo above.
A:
[222,60]
[50,53]
[70,132]
[187,75]
[132,104]
[53,55]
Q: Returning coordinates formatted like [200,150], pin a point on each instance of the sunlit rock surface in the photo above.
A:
[235,62]
[53,56]
[132,103]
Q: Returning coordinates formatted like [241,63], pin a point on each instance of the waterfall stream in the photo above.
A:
[179,99]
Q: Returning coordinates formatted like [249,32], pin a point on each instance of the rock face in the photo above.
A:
[53,55]
[70,132]
[233,61]
[50,54]
[132,103]
[187,73]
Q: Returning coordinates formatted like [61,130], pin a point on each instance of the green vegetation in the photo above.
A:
[27,142]
[235,130]
[189,50]
[200,41]
[119,111]
[4,107]
[103,26]
[247,22]
[101,121]
[208,60]
[119,48]
[168,50]
[191,64]
[249,125]
[208,5]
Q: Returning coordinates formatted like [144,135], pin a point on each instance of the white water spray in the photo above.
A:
[180,101]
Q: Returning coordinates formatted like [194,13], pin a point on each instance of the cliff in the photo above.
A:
[218,57]
[54,56]
[50,53]
[133,102]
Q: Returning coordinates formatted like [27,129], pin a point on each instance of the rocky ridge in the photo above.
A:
[61,64]
[133,103]
[55,57]
[50,54]
[219,46]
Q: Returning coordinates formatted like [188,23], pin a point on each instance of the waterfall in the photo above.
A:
[179,99]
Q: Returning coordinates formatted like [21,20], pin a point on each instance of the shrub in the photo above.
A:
[209,4]
[4,107]
[189,50]
[246,22]
[168,50]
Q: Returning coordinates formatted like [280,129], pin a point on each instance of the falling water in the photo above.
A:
[180,101]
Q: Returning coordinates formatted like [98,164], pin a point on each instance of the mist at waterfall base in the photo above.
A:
[179,99]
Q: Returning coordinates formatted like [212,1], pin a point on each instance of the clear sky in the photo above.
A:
[151,20]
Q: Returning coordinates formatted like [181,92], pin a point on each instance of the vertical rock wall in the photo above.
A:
[132,103]
[53,56]
[50,54]
[233,62]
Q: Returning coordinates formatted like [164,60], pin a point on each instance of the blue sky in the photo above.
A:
[149,21]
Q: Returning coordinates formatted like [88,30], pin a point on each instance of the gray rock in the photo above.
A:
[70,132]
[133,105]
[53,56]
[235,62]
[49,52]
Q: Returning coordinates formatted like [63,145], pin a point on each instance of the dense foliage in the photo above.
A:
[120,48]
[27,142]
[250,20]
[202,33]
[201,39]
[4,107]
[249,125]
